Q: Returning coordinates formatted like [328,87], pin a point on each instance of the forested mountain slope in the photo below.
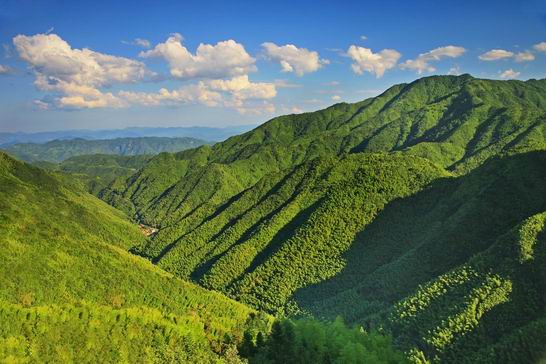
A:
[59,150]
[456,267]
[374,211]
[455,121]
[69,290]
[97,171]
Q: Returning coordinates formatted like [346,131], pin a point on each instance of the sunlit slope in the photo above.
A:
[288,232]
[457,269]
[455,121]
[66,280]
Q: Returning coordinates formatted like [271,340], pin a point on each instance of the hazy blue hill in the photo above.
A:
[197,132]
[60,150]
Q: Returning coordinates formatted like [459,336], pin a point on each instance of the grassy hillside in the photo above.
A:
[60,150]
[70,291]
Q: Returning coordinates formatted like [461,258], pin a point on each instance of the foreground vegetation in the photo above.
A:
[66,279]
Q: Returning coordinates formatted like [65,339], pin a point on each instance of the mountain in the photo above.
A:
[197,132]
[70,291]
[59,150]
[395,213]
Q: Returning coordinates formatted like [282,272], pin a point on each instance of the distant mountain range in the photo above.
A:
[198,132]
[60,150]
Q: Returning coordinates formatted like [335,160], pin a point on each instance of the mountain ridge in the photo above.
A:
[266,217]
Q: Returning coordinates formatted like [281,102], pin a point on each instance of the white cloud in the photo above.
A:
[363,37]
[422,62]
[225,59]
[76,74]
[241,89]
[524,57]
[238,93]
[51,56]
[541,47]
[496,54]
[4,70]
[454,71]
[75,78]
[510,73]
[139,42]
[190,94]
[336,98]
[294,59]
[8,50]
[367,61]
[41,105]
[286,84]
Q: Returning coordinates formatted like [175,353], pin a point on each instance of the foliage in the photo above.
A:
[310,341]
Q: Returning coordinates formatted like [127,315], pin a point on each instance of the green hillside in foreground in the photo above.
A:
[71,292]
[376,211]
[60,150]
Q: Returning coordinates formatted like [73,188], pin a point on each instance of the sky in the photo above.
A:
[115,64]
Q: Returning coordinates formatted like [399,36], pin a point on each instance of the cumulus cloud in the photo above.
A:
[225,59]
[364,60]
[541,47]
[496,54]
[336,98]
[294,59]
[139,42]
[77,78]
[241,88]
[76,74]
[509,73]
[190,94]
[524,57]
[422,62]
[454,71]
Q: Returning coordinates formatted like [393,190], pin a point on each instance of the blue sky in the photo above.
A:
[106,64]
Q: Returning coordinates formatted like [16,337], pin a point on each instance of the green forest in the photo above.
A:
[405,228]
